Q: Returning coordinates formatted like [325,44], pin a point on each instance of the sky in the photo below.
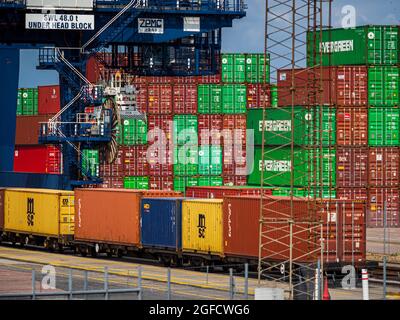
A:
[246,35]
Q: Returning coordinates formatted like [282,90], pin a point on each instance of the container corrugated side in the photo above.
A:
[202,230]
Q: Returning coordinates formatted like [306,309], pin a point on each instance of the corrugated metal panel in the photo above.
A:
[352,126]
[161,223]
[352,167]
[202,229]
[39,212]
[384,166]
[49,99]
[379,199]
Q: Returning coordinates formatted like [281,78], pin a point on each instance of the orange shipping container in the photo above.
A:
[111,216]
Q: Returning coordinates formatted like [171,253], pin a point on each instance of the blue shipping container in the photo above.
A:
[161,223]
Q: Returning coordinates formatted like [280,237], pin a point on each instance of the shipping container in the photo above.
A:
[160,159]
[234,98]
[111,216]
[210,160]
[183,182]
[202,230]
[344,231]
[45,214]
[162,183]
[234,180]
[210,79]
[135,161]
[134,132]
[141,97]
[258,95]
[38,159]
[210,129]
[185,130]
[90,162]
[115,169]
[210,99]
[383,86]
[186,161]
[233,68]
[352,167]
[278,164]
[112,183]
[139,183]
[211,181]
[380,199]
[160,128]
[29,101]
[255,66]
[352,126]
[185,98]
[359,194]
[365,45]
[216,192]
[161,223]
[28,128]
[352,86]
[383,127]
[306,88]
[384,166]
[307,129]
[160,99]
[49,99]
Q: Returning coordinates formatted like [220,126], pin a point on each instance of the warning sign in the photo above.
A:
[59,21]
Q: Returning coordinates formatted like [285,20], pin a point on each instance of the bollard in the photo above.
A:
[364,279]
[246,281]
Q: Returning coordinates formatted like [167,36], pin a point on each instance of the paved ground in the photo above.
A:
[375,240]
[16,266]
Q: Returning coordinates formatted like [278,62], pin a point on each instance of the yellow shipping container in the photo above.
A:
[202,228]
[39,212]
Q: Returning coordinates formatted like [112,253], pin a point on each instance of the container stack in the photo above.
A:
[36,105]
[366,88]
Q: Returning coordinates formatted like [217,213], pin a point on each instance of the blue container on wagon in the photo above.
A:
[161,223]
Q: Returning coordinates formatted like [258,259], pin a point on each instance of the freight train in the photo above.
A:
[175,230]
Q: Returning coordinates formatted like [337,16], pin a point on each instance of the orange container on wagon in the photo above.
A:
[111,216]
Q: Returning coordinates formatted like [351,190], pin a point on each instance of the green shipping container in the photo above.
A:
[134,132]
[277,164]
[383,127]
[255,68]
[210,160]
[185,130]
[210,181]
[383,86]
[274,96]
[19,103]
[278,126]
[204,98]
[181,183]
[234,99]
[233,68]
[139,183]
[304,192]
[366,45]
[186,161]
[90,162]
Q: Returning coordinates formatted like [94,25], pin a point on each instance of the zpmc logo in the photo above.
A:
[30,212]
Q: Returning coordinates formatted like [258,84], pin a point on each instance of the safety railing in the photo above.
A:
[220,5]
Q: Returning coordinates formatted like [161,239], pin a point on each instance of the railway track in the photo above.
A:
[392,274]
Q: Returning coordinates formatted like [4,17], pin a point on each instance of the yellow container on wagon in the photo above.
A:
[202,228]
[39,212]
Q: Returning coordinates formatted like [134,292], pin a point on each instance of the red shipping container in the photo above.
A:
[94,70]
[235,180]
[379,198]
[160,80]
[344,228]
[28,128]
[352,126]
[352,86]
[142,97]
[185,80]
[163,123]
[113,183]
[384,166]
[185,98]
[159,99]
[135,161]
[160,161]
[345,86]
[221,192]
[161,183]
[257,97]
[115,169]
[352,167]
[38,159]
[49,99]
[360,194]
[209,129]
[213,79]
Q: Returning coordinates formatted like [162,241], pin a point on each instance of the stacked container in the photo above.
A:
[368,118]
